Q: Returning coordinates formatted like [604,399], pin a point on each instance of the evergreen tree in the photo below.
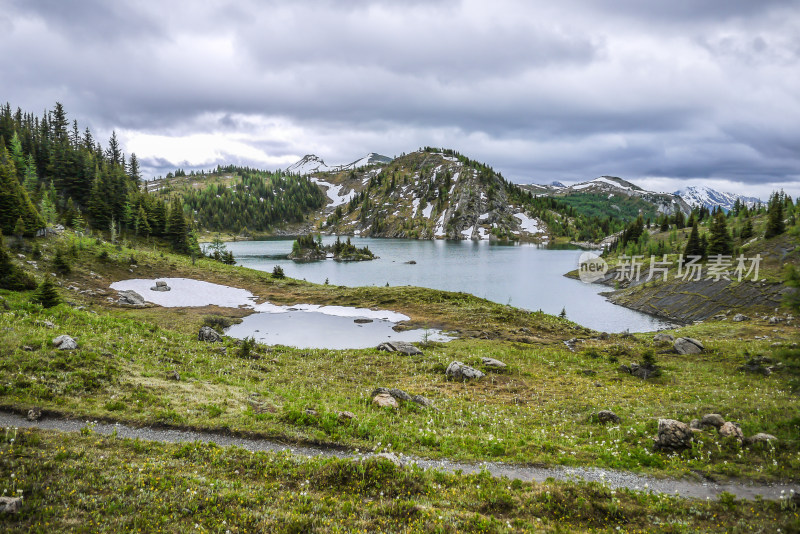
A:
[693,247]
[747,229]
[14,200]
[775,224]
[60,263]
[720,241]
[177,227]
[47,294]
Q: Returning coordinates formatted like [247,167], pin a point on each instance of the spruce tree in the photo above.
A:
[720,241]
[14,200]
[775,224]
[176,227]
[693,247]
[47,294]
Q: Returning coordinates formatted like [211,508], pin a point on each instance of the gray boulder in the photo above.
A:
[739,317]
[208,334]
[491,363]
[759,438]
[607,416]
[645,371]
[673,435]
[34,414]
[400,346]
[160,286]
[730,430]
[663,338]
[384,400]
[65,343]
[131,298]
[10,505]
[462,371]
[712,419]
[687,345]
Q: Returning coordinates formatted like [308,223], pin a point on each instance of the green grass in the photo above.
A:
[92,483]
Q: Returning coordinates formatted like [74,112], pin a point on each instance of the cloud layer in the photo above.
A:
[665,93]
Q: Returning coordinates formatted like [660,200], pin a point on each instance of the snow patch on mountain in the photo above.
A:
[701,195]
[311,164]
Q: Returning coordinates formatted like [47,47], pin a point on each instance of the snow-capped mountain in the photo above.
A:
[702,195]
[311,164]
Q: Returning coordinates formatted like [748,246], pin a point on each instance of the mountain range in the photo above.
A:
[701,195]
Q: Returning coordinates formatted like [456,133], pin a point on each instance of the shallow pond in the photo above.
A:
[301,326]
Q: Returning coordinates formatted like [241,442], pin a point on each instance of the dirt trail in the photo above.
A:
[611,478]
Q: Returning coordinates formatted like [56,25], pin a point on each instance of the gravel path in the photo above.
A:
[611,478]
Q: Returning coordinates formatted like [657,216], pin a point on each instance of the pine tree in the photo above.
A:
[775,224]
[720,241]
[47,294]
[60,263]
[747,229]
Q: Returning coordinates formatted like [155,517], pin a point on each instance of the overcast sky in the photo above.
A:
[662,93]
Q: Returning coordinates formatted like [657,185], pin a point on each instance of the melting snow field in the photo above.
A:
[333,193]
[527,224]
[188,292]
[301,325]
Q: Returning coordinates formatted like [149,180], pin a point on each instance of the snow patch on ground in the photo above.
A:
[483,233]
[427,211]
[527,224]
[333,193]
[415,206]
[439,230]
[468,232]
[188,292]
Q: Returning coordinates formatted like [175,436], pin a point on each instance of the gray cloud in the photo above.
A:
[541,91]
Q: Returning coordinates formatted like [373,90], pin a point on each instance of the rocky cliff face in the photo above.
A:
[427,195]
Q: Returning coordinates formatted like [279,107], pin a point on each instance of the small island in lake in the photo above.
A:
[307,248]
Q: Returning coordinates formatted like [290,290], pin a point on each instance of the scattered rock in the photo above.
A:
[362,321]
[663,338]
[673,435]
[774,320]
[28,348]
[345,416]
[731,430]
[173,375]
[208,334]
[687,345]
[759,438]
[624,368]
[384,400]
[739,317]
[65,343]
[491,363]
[46,324]
[694,424]
[34,414]
[10,505]
[400,395]
[160,286]
[712,419]
[645,371]
[607,416]
[422,401]
[400,346]
[588,372]
[131,298]
[411,262]
[311,412]
[460,371]
[756,365]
